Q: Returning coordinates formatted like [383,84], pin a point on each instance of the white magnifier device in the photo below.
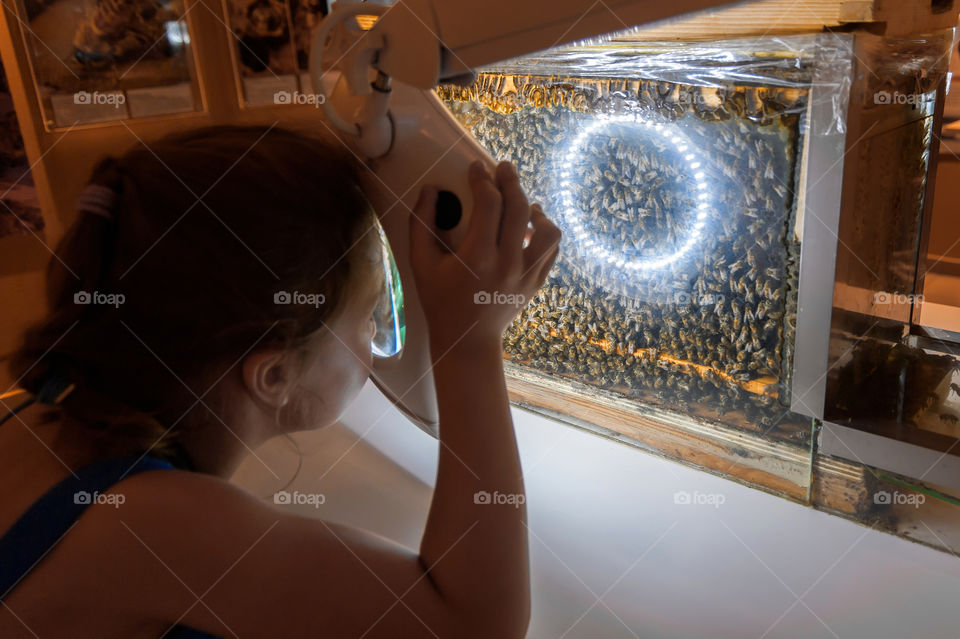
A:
[376,65]
[408,139]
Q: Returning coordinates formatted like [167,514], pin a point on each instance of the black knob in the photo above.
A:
[449,210]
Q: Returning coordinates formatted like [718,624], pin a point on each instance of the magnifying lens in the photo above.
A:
[388,317]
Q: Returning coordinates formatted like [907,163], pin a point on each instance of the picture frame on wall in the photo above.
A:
[19,206]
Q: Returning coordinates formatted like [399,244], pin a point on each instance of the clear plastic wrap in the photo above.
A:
[755,78]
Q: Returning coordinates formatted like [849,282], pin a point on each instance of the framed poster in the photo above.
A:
[19,207]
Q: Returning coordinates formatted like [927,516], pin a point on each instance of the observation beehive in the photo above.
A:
[731,211]
[674,182]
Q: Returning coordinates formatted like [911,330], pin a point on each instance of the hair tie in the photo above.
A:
[98,200]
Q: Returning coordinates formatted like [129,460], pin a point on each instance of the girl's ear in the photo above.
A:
[267,376]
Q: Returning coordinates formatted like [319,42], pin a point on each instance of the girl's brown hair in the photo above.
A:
[210,228]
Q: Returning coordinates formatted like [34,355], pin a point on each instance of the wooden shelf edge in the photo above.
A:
[731,453]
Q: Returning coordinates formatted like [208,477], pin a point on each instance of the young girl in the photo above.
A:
[172,359]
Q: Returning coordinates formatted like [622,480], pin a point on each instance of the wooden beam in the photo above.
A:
[781,17]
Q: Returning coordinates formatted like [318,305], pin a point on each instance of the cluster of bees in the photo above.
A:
[671,101]
[644,198]
[711,330]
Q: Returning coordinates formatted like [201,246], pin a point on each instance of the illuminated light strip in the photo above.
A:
[765,386]
[13,393]
[573,216]
[366,22]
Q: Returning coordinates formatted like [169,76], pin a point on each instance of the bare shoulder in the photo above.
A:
[182,498]
[167,504]
[197,550]
[191,526]
[170,530]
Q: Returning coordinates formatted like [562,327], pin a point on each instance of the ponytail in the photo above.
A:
[194,281]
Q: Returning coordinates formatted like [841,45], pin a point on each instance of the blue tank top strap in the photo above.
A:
[52,516]
[49,518]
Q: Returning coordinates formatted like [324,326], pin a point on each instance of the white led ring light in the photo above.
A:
[572,215]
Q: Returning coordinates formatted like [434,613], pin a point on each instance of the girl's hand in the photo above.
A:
[474,293]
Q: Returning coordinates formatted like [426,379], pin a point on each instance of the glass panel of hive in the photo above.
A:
[107,60]
[883,265]
[676,284]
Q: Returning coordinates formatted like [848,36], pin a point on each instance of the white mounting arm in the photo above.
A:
[423,42]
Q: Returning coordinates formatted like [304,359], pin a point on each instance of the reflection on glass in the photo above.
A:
[103,60]
[893,329]
[389,320]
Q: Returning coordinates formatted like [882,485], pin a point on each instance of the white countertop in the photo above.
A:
[614,555]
